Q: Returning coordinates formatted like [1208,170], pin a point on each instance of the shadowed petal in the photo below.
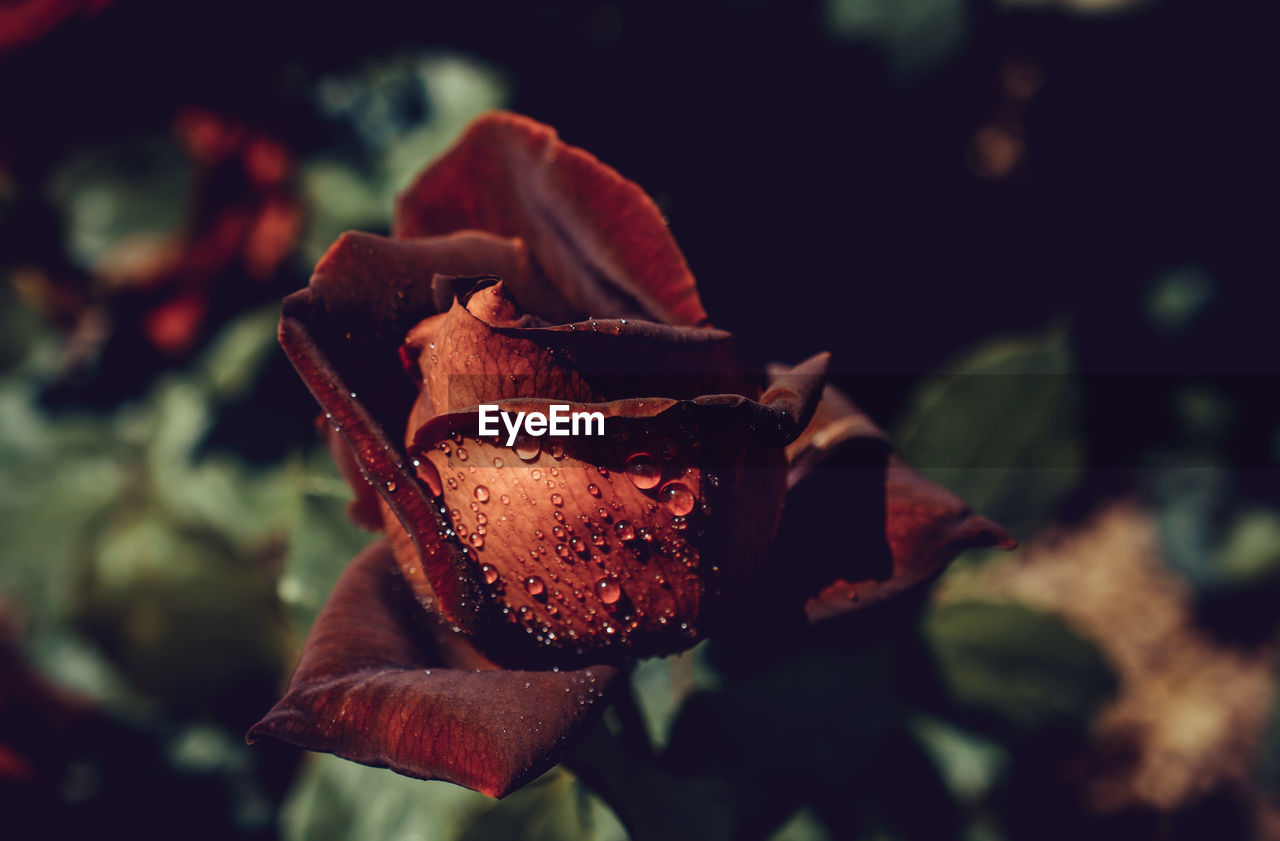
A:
[344,333]
[861,525]
[596,236]
[377,685]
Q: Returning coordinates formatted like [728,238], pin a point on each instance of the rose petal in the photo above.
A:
[865,524]
[597,237]
[582,553]
[343,334]
[488,349]
[369,688]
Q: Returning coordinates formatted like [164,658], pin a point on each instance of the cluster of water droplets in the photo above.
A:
[556,599]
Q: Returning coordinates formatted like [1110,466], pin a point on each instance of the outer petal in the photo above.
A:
[369,688]
[861,525]
[597,237]
[344,333]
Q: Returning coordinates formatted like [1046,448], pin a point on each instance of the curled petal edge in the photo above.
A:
[378,685]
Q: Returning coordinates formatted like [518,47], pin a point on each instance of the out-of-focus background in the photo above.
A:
[1038,235]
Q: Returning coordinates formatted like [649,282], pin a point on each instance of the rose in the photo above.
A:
[483,634]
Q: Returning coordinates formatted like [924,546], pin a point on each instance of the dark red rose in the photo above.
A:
[484,632]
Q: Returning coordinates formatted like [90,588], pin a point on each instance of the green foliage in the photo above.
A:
[120,194]
[335,800]
[1017,671]
[400,113]
[1001,429]
[916,35]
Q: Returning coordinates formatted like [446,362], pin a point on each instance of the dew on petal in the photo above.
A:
[461,454]
[490,573]
[593,490]
[477,540]
[677,498]
[504,499]
[643,470]
[597,539]
[481,493]
[557,450]
[391,486]
[527,447]
[557,499]
[497,462]
[626,531]
[534,586]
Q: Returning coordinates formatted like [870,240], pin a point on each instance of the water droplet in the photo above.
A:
[504,499]
[527,447]
[557,499]
[557,450]
[391,486]
[533,584]
[497,462]
[558,531]
[626,531]
[562,550]
[593,490]
[679,523]
[643,470]
[477,540]
[559,517]
[481,519]
[482,493]
[597,539]
[576,544]
[677,498]
[452,483]
[461,454]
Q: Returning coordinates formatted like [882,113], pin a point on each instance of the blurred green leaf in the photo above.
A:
[1251,551]
[127,191]
[969,763]
[804,825]
[187,615]
[1177,297]
[236,356]
[402,113]
[322,541]
[916,35]
[1020,671]
[1001,429]
[554,807]
[662,683]
[336,800]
